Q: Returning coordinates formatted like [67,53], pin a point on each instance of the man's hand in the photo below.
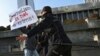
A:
[21,38]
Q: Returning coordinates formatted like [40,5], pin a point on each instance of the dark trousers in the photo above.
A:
[40,48]
[58,50]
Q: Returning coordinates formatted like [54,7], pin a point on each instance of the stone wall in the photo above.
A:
[6,44]
[82,38]
[85,51]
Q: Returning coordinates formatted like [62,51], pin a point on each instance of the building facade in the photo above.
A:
[89,1]
[25,2]
[77,12]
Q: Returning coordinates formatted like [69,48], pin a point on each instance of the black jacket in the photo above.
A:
[56,33]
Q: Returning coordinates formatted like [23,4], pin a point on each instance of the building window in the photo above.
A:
[75,15]
[85,14]
[64,16]
[90,13]
[96,11]
[69,15]
[99,12]
[80,15]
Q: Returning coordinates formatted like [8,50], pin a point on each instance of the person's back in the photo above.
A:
[58,37]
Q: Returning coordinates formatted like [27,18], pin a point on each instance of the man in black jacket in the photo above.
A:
[56,33]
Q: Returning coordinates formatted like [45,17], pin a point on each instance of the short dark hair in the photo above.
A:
[47,9]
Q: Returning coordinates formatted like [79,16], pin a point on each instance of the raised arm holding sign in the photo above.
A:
[22,17]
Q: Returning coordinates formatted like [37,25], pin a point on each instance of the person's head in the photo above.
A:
[46,10]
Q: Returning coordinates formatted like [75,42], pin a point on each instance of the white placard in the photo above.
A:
[22,17]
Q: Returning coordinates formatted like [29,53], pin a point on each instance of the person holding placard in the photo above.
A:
[30,43]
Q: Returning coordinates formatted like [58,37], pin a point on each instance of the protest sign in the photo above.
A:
[22,17]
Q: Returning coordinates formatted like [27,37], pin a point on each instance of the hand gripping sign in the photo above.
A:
[22,17]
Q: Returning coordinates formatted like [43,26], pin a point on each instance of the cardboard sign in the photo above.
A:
[22,17]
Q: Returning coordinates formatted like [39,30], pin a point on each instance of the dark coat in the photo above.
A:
[56,29]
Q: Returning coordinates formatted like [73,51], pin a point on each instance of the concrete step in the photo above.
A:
[19,53]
